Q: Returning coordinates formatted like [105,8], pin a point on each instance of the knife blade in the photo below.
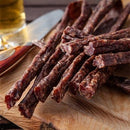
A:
[36,30]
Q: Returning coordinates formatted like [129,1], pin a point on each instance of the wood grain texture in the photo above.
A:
[108,110]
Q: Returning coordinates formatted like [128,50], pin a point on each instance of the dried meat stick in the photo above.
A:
[76,45]
[71,33]
[105,46]
[107,42]
[121,20]
[80,75]
[45,86]
[26,106]
[110,19]
[92,81]
[111,59]
[80,22]
[122,83]
[39,60]
[59,91]
[85,14]
[101,9]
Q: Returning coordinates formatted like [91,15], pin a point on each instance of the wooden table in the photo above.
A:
[33,9]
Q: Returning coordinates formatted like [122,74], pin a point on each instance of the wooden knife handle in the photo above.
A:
[19,52]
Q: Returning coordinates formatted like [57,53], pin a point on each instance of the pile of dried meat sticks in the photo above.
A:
[80,56]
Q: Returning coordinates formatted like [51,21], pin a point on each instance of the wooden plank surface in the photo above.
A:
[109,109]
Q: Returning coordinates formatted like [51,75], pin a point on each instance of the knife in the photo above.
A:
[36,30]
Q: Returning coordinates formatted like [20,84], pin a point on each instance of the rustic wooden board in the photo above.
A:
[109,109]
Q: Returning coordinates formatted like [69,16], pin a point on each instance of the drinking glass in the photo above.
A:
[12,16]
[12,21]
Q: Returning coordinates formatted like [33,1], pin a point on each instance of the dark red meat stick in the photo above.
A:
[80,22]
[39,60]
[92,81]
[105,46]
[110,19]
[45,86]
[71,33]
[85,13]
[121,20]
[101,9]
[111,59]
[28,104]
[80,75]
[59,91]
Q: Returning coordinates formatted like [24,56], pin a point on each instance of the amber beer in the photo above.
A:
[12,16]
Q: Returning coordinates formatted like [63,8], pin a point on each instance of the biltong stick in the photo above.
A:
[27,108]
[105,46]
[111,59]
[92,81]
[39,60]
[59,91]
[121,20]
[45,86]
[123,33]
[122,83]
[85,13]
[107,42]
[101,9]
[80,75]
[78,24]
[71,33]
[72,47]
[28,104]
[77,44]
[110,19]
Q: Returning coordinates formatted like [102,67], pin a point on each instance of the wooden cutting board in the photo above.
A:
[109,109]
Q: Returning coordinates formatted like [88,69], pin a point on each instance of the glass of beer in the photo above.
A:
[12,16]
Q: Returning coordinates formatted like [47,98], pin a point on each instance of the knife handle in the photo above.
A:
[19,52]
